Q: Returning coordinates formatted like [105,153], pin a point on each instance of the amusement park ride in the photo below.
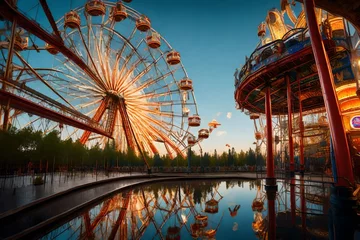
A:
[301,85]
[283,64]
[98,72]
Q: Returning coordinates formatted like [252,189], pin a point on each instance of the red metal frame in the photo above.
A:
[20,103]
[50,18]
[269,142]
[127,125]
[241,94]
[129,131]
[99,113]
[341,149]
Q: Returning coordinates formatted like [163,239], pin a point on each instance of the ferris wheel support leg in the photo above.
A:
[341,149]
[291,143]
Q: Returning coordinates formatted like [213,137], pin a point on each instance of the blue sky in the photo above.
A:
[213,38]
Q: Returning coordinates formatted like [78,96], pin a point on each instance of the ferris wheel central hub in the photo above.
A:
[114,95]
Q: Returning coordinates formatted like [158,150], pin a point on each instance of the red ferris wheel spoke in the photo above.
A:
[99,113]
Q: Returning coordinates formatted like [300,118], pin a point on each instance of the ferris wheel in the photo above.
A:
[113,69]
[259,130]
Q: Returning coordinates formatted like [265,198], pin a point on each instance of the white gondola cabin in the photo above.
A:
[119,12]
[203,133]
[153,40]
[143,23]
[191,140]
[95,8]
[72,20]
[173,57]
[186,84]
[194,121]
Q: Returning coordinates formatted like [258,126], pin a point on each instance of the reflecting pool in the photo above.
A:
[228,209]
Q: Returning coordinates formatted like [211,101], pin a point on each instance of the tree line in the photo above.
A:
[19,147]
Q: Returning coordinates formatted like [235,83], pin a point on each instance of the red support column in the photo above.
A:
[302,160]
[291,144]
[342,154]
[270,187]
[269,140]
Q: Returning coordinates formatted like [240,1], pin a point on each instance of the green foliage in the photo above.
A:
[19,147]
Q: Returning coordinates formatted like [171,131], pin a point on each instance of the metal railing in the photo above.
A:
[292,42]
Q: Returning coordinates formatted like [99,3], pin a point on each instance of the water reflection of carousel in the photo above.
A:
[300,211]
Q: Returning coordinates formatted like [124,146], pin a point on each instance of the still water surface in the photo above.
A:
[231,209]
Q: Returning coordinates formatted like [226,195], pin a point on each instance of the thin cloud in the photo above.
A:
[220,133]
[218,114]
[229,115]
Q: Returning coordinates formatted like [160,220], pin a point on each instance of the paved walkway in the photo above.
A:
[19,191]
